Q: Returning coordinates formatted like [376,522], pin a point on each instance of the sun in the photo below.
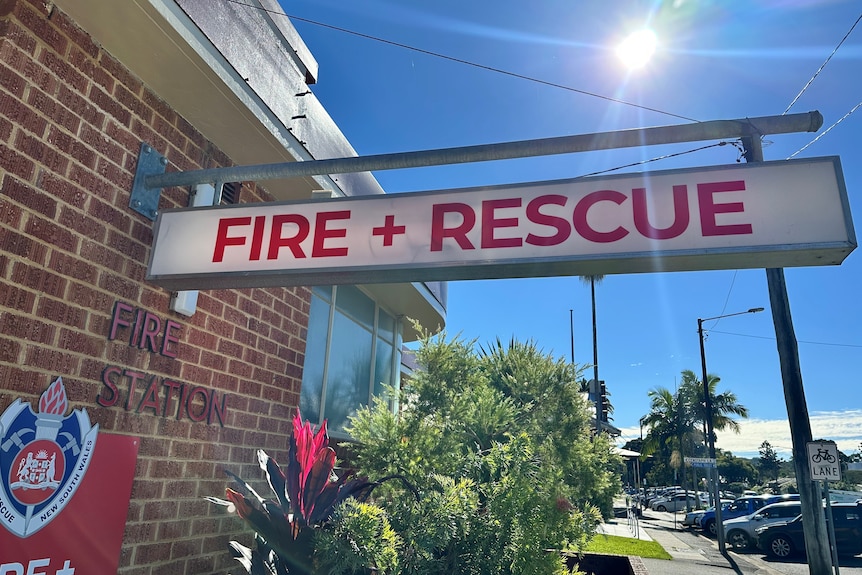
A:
[637,49]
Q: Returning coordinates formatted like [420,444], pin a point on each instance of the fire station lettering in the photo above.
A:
[147,393]
[773,214]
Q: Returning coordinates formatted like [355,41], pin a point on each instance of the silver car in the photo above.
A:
[739,531]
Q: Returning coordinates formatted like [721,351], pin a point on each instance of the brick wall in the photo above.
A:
[71,122]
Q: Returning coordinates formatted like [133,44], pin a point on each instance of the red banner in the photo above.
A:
[87,534]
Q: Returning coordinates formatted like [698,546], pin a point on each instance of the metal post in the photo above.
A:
[830,524]
[710,438]
[150,177]
[813,523]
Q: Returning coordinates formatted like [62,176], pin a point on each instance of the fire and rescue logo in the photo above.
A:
[43,459]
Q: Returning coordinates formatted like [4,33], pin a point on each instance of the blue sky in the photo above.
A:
[715,60]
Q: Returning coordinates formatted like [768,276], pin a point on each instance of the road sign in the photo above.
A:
[769,214]
[700,461]
[823,460]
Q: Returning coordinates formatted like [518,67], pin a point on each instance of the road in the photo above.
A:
[697,540]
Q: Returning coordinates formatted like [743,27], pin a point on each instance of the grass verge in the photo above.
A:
[615,545]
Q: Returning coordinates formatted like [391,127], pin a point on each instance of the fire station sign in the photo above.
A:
[773,214]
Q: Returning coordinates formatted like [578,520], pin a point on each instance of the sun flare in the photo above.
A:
[637,49]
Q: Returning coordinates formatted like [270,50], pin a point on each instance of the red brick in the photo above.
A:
[51,234]
[82,224]
[9,351]
[22,116]
[58,114]
[120,72]
[12,82]
[64,71]
[109,105]
[42,28]
[80,106]
[161,107]
[131,101]
[120,286]
[59,312]
[108,214]
[89,298]
[81,343]
[73,267]
[106,146]
[25,328]
[95,185]
[88,67]
[31,198]
[59,362]
[12,297]
[5,129]
[118,177]
[80,38]
[17,244]
[18,36]
[42,153]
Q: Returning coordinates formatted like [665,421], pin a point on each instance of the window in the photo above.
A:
[352,354]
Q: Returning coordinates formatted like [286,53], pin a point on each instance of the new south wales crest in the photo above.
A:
[43,459]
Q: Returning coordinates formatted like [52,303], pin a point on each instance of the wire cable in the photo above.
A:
[465,62]
[853,345]
[826,131]
[823,65]
[642,162]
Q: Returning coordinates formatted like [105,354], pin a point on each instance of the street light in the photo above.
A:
[716,497]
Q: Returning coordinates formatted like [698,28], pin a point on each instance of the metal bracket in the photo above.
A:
[145,200]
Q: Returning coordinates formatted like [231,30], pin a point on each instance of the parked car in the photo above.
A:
[674,503]
[739,532]
[742,506]
[781,540]
[692,518]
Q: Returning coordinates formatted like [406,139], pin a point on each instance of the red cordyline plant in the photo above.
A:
[307,492]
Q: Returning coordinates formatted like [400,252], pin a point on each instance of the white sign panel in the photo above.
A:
[774,214]
[823,460]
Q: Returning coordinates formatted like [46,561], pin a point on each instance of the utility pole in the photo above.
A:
[813,521]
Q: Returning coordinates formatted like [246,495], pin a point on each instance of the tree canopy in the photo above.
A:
[497,442]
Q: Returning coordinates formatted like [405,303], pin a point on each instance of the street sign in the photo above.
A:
[700,461]
[767,214]
[823,460]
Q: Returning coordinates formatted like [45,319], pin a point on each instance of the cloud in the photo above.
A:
[842,427]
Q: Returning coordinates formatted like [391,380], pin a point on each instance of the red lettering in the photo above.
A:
[116,320]
[150,398]
[108,374]
[171,386]
[582,226]
[277,241]
[680,214]
[170,326]
[491,223]
[134,377]
[439,231]
[206,407]
[152,325]
[222,239]
[215,408]
[137,328]
[321,234]
[709,209]
[257,238]
[537,217]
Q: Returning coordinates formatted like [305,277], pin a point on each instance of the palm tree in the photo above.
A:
[671,424]
[724,405]
[593,280]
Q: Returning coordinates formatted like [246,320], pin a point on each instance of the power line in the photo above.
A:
[826,131]
[823,65]
[853,345]
[464,62]
[642,162]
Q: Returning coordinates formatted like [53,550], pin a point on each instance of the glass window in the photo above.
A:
[351,352]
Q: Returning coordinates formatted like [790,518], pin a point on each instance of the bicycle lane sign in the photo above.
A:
[823,460]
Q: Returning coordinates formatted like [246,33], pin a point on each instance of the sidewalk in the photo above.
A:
[702,559]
